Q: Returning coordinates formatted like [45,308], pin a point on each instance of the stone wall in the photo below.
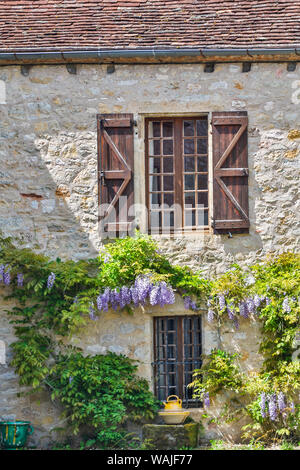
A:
[48,185]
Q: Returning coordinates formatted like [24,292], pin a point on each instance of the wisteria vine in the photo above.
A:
[274,404]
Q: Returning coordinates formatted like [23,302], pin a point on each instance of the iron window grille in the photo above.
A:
[177,353]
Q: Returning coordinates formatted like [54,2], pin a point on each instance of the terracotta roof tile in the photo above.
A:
[72,24]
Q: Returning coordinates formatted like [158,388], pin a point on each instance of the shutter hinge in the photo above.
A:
[102,179]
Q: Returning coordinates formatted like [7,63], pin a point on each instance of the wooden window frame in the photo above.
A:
[178,171]
[181,374]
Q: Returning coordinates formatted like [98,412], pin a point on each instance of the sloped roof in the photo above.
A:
[88,24]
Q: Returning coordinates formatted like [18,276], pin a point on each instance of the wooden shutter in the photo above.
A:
[230,164]
[115,167]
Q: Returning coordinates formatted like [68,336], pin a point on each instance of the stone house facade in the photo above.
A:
[180,116]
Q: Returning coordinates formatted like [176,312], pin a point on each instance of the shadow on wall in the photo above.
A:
[49,191]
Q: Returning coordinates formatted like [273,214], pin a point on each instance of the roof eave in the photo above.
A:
[152,55]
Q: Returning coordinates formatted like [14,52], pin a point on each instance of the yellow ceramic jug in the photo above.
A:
[173,405]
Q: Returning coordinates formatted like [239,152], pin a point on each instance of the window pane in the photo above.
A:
[169,199]
[189,164]
[202,146]
[202,127]
[168,183]
[189,146]
[155,220]
[155,200]
[189,182]
[189,199]
[202,181]
[188,128]
[202,164]
[155,183]
[154,147]
[202,217]
[168,219]
[205,217]
[167,129]
[189,218]
[168,165]
[168,147]
[203,199]
[154,129]
[154,165]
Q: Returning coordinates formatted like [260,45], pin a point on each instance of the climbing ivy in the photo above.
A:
[102,392]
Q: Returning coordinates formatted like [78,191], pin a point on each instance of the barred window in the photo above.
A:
[177,353]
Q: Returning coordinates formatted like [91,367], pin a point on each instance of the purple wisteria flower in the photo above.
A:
[272,407]
[206,399]
[250,305]
[162,294]
[158,294]
[268,301]
[189,304]
[186,302]
[210,316]
[50,281]
[281,401]
[92,313]
[143,287]
[167,296]
[99,302]
[243,310]
[20,279]
[135,296]
[262,404]
[257,300]
[125,297]
[115,298]
[71,379]
[286,305]
[230,312]
[222,302]
[105,299]
[2,268]
[292,407]
[236,323]
[6,276]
